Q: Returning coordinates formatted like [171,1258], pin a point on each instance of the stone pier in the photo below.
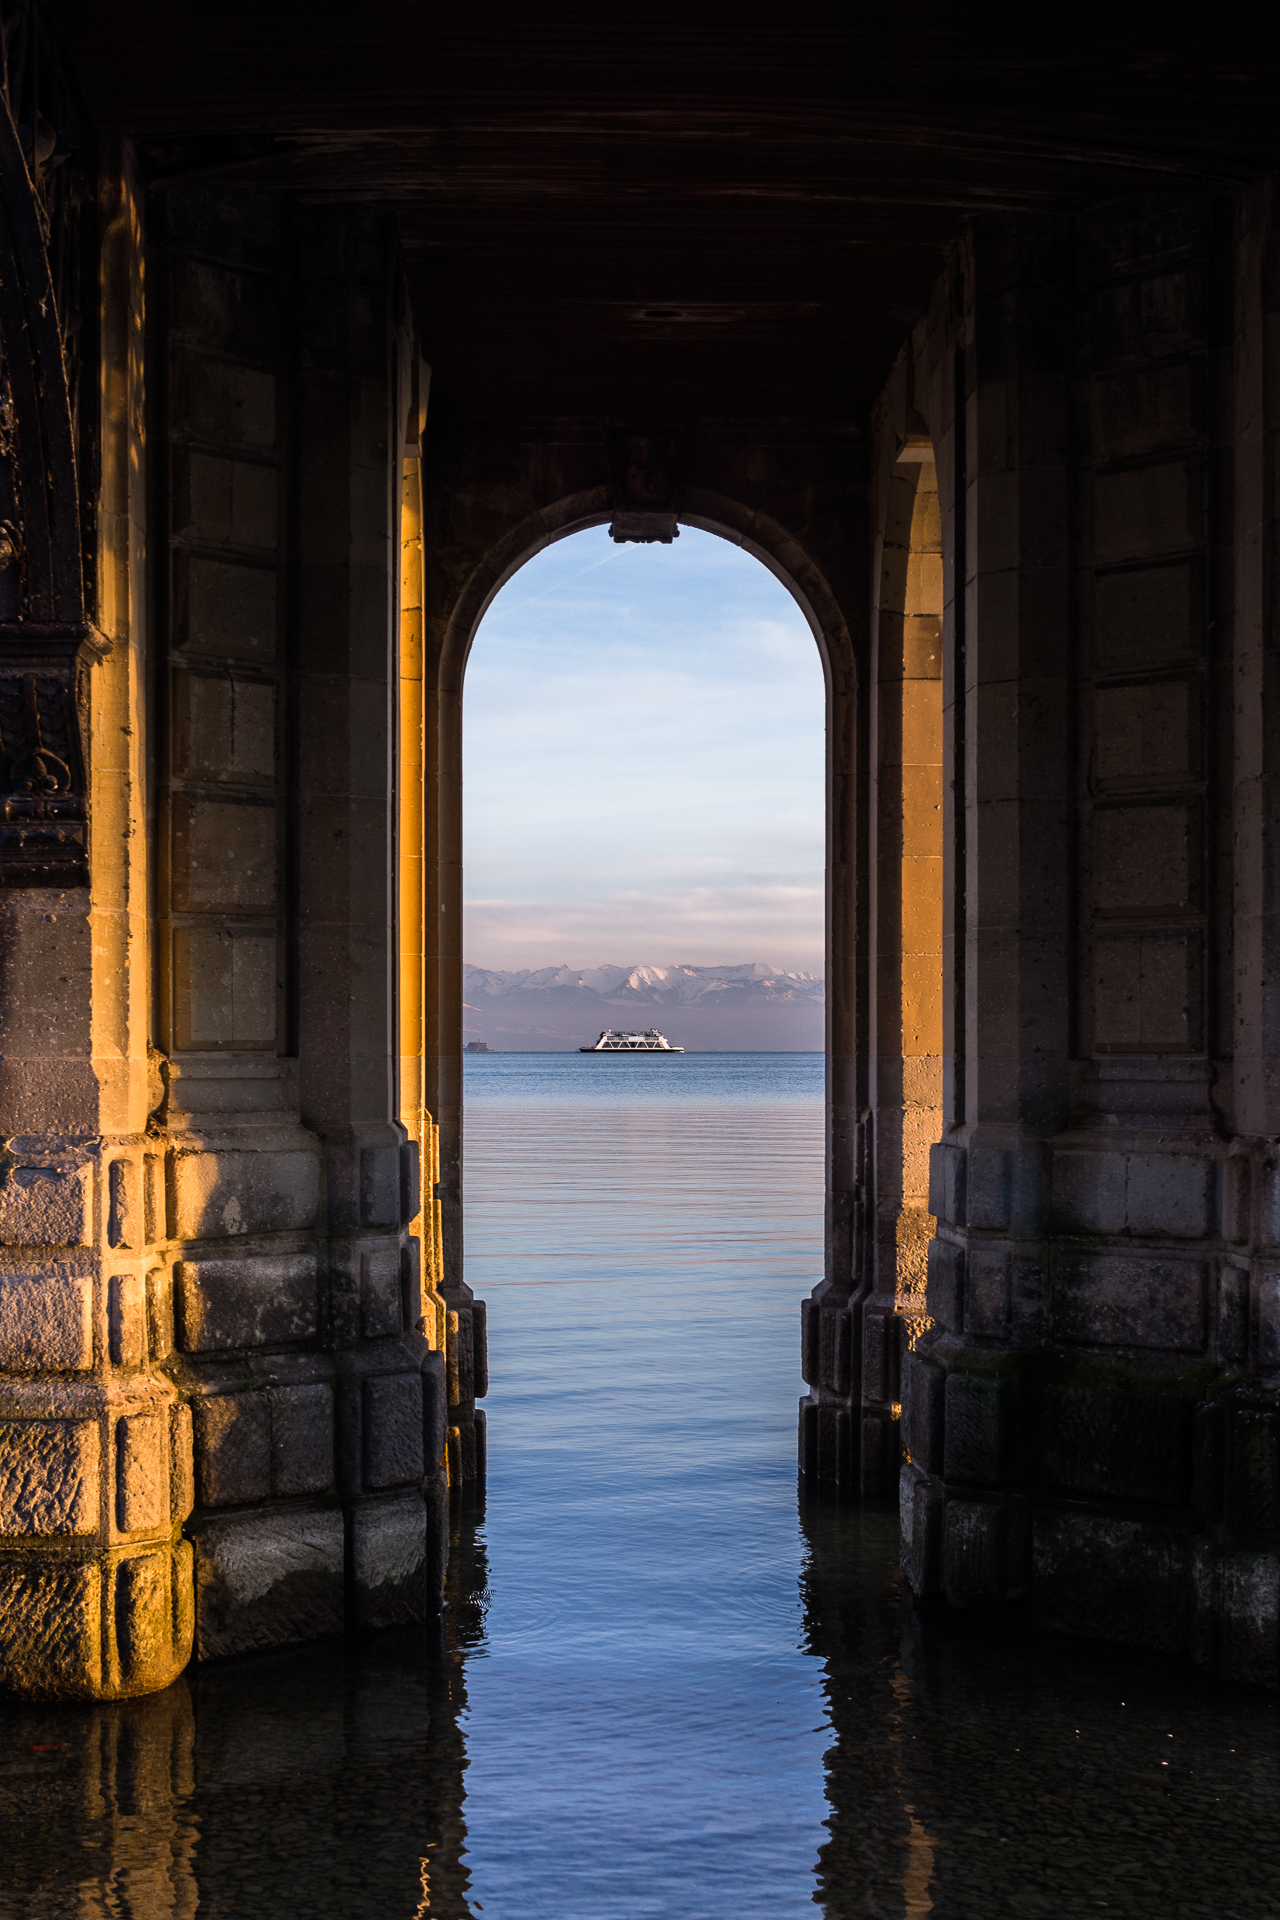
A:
[310,338]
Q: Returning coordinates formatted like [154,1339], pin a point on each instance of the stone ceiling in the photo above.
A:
[652,211]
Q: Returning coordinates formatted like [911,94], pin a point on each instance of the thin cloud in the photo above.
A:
[644,763]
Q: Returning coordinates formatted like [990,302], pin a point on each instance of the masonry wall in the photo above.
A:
[234,1395]
[1089,1411]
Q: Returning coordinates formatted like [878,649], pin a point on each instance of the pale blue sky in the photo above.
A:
[643,766]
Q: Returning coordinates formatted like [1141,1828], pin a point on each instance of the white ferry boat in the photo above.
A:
[615,1040]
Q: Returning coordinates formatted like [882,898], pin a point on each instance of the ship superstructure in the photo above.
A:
[621,1040]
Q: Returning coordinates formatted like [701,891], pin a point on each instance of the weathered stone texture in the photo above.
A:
[142,1476]
[253,1301]
[46,1322]
[393,1430]
[48,1477]
[45,1206]
[218,1194]
[264,1580]
[49,1628]
[390,1554]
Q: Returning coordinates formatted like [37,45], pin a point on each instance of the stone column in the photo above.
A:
[354,401]
[906,917]
[95,1448]
[987,1266]
[1092,1420]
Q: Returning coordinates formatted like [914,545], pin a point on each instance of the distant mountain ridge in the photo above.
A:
[751,1007]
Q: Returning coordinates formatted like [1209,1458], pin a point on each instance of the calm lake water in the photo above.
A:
[662,1687]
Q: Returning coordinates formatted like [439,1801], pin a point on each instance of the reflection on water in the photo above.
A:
[658,1690]
[326,1781]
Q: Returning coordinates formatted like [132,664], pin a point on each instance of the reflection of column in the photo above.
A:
[906,919]
[103,1822]
[95,1581]
[874,1857]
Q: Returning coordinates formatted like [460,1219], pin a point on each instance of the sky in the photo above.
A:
[643,763]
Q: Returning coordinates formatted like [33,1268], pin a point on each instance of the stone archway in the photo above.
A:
[491,503]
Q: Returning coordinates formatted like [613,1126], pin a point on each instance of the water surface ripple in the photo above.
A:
[662,1688]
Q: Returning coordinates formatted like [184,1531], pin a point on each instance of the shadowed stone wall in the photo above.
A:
[1089,1410]
[239,1363]
[227,1359]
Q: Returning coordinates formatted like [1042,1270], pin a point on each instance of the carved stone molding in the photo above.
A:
[646,469]
[45,638]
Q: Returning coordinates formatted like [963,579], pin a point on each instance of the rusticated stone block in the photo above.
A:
[182,1478]
[1253,1494]
[947,1183]
[920,1511]
[124,1204]
[268,1579]
[410,1182]
[435,1409]
[126,1320]
[1118,1443]
[301,1439]
[159,1286]
[45,1207]
[226,608]
[1268,1179]
[976,1419]
[232,1448]
[50,1638]
[145,1617]
[250,1302]
[1250,1620]
[973,1552]
[389,1562]
[879,1354]
[48,1476]
[1171,1194]
[380,1187]
[923,1390]
[392,1429]
[142,1477]
[216,1194]
[1117,1301]
[1088,1191]
[1266,1296]
[1233,1313]
[46,1322]
[1146,989]
[1140,410]
[989,1188]
[411,1282]
[380,1292]
[835,1348]
[1113,1579]
[944,1295]
[988,1290]
[224,727]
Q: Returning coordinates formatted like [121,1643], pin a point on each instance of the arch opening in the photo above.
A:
[643,781]
[473,543]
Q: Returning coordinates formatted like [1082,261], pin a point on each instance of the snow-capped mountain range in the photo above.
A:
[752,1007]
